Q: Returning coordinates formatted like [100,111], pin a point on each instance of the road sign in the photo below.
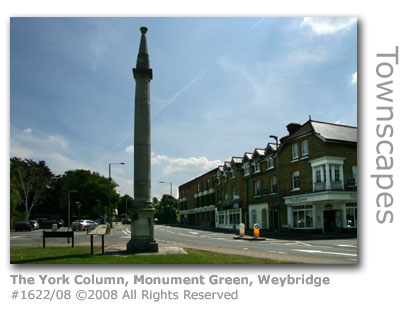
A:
[99,230]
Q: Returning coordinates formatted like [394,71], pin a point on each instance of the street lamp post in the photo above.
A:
[79,209]
[98,208]
[170,186]
[69,212]
[121,163]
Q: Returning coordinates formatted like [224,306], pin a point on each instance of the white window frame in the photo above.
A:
[336,173]
[355,174]
[304,149]
[270,162]
[257,167]
[257,190]
[272,185]
[319,177]
[295,174]
[294,151]
[246,168]
[353,207]
[301,212]
[221,218]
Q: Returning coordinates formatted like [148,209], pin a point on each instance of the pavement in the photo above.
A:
[120,250]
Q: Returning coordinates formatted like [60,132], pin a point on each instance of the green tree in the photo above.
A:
[92,192]
[125,202]
[32,180]
[15,198]
[166,210]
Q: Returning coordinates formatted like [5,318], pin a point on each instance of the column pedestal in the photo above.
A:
[142,240]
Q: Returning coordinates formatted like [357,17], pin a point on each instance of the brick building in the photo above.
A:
[307,183]
[197,200]
[318,177]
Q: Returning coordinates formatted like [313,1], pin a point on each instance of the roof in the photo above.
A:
[259,152]
[236,160]
[328,131]
[247,156]
[227,165]
[331,131]
[271,148]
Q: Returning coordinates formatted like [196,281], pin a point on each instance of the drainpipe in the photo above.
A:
[278,185]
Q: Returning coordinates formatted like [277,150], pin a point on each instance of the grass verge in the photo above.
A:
[81,255]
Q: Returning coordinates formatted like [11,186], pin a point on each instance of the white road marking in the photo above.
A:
[193,232]
[346,245]
[306,244]
[326,252]
[186,235]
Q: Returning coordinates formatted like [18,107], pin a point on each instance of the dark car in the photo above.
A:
[46,223]
[23,225]
[126,221]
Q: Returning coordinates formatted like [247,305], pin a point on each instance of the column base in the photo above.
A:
[136,245]
[142,233]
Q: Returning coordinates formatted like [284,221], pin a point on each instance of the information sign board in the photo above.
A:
[99,230]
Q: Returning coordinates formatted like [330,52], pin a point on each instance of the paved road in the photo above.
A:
[316,251]
[333,251]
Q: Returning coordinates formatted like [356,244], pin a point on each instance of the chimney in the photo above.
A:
[293,127]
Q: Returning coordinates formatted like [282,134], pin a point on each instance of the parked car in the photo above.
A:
[46,223]
[82,224]
[35,224]
[23,225]
[126,221]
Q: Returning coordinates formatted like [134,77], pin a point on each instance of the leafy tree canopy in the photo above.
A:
[166,210]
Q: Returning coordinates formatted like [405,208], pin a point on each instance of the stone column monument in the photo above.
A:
[142,212]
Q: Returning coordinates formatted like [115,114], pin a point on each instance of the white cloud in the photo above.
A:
[354,78]
[184,166]
[328,25]
[129,149]
[52,148]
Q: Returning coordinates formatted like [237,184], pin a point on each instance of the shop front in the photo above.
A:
[228,219]
[324,212]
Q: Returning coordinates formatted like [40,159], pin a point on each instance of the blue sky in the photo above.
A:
[220,87]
